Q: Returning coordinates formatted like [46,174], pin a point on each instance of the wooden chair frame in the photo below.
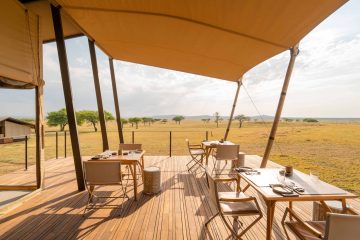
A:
[91,187]
[216,160]
[312,230]
[196,159]
[223,215]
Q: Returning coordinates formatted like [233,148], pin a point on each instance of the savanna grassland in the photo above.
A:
[331,150]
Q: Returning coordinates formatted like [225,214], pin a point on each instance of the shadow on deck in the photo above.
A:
[178,212]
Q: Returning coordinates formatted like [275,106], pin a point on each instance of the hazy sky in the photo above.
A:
[325,82]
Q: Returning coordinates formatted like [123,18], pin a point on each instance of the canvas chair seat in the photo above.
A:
[236,207]
[299,230]
[197,151]
[99,183]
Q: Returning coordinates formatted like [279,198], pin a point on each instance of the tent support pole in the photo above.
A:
[239,83]
[116,101]
[98,95]
[39,129]
[65,77]
[294,51]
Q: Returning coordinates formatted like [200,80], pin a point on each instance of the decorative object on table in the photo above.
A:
[152,180]
[288,171]
[104,155]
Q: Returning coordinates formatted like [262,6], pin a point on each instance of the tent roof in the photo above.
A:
[216,38]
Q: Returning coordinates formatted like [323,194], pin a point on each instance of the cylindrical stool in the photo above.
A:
[319,213]
[152,180]
[240,162]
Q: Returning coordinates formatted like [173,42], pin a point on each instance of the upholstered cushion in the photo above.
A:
[300,230]
[237,207]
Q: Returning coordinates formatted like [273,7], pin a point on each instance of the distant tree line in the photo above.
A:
[59,118]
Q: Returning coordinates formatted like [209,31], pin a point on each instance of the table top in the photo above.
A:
[128,156]
[315,189]
[215,143]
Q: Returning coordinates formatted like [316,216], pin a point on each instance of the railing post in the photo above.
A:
[56,145]
[26,152]
[133,137]
[65,144]
[207,135]
[170,143]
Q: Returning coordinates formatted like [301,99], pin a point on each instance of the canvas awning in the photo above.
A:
[20,49]
[216,38]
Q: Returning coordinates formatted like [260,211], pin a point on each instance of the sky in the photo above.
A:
[325,81]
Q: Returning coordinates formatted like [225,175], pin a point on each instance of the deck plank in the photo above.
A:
[178,212]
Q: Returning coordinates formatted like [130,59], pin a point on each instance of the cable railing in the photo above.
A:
[58,144]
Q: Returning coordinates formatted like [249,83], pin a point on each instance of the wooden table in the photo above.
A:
[210,145]
[132,159]
[315,190]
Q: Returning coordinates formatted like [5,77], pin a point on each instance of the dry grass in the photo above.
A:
[329,149]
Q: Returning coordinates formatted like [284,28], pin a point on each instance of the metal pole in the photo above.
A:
[239,83]
[56,145]
[207,135]
[116,101]
[294,51]
[170,144]
[65,144]
[26,152]
[98,95]
[65,77]
[133,137]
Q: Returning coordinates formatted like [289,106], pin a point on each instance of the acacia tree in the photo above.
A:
[146,120]
[57,118]
[241,118]
[92,117]
[206,120]
[217,119]
[178,119]
[135,120]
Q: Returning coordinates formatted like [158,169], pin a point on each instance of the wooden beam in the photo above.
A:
[116,101]
[294,51]
[239,83]
[105,142]
[65,77]
[39,132]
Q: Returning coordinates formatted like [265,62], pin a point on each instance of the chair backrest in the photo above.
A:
[227,152]
[213,192]
[102,172]
[342,226]
[129,146]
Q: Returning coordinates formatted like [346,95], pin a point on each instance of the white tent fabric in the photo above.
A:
[20,46]
[216,38]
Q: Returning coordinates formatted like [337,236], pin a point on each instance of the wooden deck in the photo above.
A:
[178,212]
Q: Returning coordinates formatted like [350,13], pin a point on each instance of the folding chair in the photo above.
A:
[225,153]
[130,147]
[232,204]
[336,227]
[102,173]
[197,154]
